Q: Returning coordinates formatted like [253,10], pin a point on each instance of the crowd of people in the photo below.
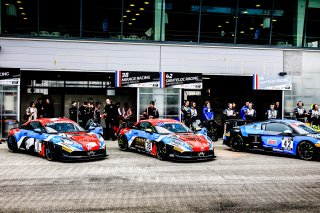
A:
[311,116]
[39,110]
[189,113]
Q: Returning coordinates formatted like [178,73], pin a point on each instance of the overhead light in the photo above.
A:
[20,8]
[227,22]
[242,31]
[261,25]
[137,14]
[141,8]
[128,11]
[19,2]
[7,4]
[258,5]
[133,19]
[146,2]
[219,25]
[251,28]
[25,18]
[131,5]
[130,23]
[245,12]
[232,35]
[274,20]
[23,14]
[125,16]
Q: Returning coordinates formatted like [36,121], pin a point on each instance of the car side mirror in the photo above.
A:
[37,130]
[148,130]
[287,132]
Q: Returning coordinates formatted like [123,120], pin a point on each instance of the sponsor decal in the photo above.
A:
[271,142]
[90,153]
[177,149]
[66,149]
[90,145]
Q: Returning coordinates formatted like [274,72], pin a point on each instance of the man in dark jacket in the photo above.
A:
[110,115]
[151,112]
[73,111]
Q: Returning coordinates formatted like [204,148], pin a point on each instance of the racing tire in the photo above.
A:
[12,144]
[50,156]
[161,151]
[306,150]
[123,143]
[236,143]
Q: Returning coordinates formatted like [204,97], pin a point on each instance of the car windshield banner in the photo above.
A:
[137,79]
[272,82]
[181,80]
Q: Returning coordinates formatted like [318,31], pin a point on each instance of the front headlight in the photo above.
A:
[66,142]
[180,144]
[317,144]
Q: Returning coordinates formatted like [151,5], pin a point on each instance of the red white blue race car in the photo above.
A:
[58,138]
[167,139]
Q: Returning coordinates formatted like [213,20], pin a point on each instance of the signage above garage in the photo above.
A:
[137,79]
[272,82]
[181,80]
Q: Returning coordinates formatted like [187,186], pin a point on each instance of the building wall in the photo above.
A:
[106,56]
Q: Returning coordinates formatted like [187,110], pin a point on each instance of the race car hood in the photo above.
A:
[86,140]
[197,142]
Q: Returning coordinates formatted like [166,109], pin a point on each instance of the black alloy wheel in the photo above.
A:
[236,143]
[49,153]
[305,150]
[123,143]
[12,144]
[161,151]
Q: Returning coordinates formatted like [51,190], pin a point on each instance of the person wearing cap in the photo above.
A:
[151,112]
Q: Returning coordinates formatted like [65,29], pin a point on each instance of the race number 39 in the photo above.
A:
[287,144]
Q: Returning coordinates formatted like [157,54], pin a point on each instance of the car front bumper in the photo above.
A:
[81,155]
[192,156]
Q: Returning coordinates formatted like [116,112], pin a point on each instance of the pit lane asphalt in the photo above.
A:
[133,182]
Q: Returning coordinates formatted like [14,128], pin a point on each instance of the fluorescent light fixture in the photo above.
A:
[141,8]
[23,14]
[125,16]
[25,18]
[137,14]
[146,2]
[132,5]
[258,5]
[7,4]
[19,2]
[130,23]
[242,31]
[128,11]
[133,19]
[227,22]
[251,28]
[20,8]
[274,20]
[219,26]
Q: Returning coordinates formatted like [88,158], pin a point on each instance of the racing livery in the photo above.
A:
[282,136]
[167,139]
[58,138]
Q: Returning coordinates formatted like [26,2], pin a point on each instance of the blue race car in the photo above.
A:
[282,136]
[58,138]
[167,139]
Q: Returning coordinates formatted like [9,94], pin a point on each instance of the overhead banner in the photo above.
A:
[272,82]
[181,80]
[137,79]
[9,73]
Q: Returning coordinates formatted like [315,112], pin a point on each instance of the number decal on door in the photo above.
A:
[287,144]
[148,145]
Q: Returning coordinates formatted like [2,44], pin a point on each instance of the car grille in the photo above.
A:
[85,153]
[194,154]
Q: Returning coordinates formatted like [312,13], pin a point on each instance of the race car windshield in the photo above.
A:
[303,129]
[65,127]
[176,127]
[162,130]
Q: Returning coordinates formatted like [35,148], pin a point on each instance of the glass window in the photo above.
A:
[312,25]
[218,21]
[101,19]
[254,22]
[284,22]
[277,127]
[181,20]
[18,17]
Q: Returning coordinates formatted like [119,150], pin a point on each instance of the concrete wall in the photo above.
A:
[107,56]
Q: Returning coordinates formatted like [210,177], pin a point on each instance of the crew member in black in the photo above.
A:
[73,111]
[151,112]
[300,112]
[96,113]
[83,117]
[110,114]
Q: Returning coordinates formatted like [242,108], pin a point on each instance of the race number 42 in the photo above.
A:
[287,144]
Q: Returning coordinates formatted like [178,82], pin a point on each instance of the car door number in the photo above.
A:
[148,145]
[287,144]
